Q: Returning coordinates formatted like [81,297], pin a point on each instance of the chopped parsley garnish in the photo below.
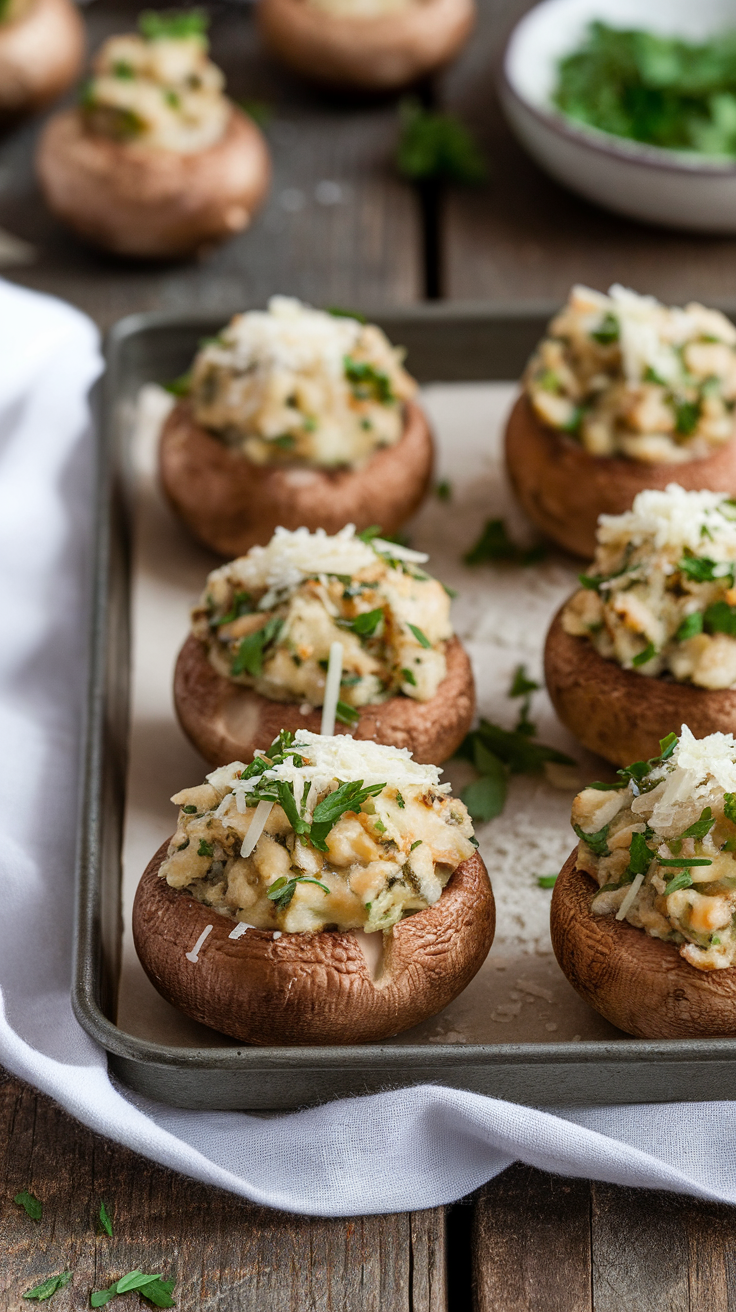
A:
[346,714]
[249,658]
[205,848]
[702,826]
[443,490]
[259,110]
[643,657]
[690,627]
[408,677]
[608,330]
[523,686]
[417,843]
[494,544]
[49,1287]
[345,314]
[703,570]
[282,890]
[729,807]
[683,880]
[367,382]
[421,638]
[684,861]
[152,1287]
[365,625]
[400,801]
[123,70]
[720,618]
[640,855]
[173,24]
[687,415]
[189,809]
[30,1204]
[597,842]
[638,770]
[180,386]
[286,441]
[105,1220]
[436,147]
[497,753]
[379,825]
[242,604]
[607,788]
[546,881]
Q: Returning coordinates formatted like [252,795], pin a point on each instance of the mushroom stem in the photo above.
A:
[332,689]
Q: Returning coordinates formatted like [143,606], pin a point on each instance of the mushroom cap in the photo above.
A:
[227,721]
[376,54]
[154,204]
[564,489]
[41,54]
[231,504]
[618,713]
[637,982]
[312,988]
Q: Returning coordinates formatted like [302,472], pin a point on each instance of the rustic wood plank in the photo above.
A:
[531,1243]
[340,227]
[662,1252]
[224,1252]
[523,237]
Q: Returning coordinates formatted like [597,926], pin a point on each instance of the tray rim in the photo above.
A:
[87,946]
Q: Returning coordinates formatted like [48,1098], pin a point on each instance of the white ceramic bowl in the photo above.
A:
[674,188]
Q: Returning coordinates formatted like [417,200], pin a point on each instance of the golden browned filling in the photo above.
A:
[323,833]
[660,596]
[269,619]
[158,88]
[295,384]
[662,846]
[626,376]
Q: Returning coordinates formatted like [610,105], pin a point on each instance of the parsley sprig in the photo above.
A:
[495,546]
[496,754]
[173,24]
[157,1290]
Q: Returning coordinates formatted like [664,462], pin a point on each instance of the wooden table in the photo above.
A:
[527,1240]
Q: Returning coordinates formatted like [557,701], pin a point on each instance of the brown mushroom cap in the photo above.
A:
[564,489]
[637,982]
[227,721]
[377,54]
[41,54]
[312,988]
[154,204]
[231,504]
[618,713]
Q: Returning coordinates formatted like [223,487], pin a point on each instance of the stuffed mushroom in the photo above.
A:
[294,417]
[644,912]
[256,659]
[649,640]
[155,162]
[329,892]
[623,394]
[376,45]
[41,53]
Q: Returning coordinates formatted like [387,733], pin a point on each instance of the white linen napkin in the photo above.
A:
[389,1152]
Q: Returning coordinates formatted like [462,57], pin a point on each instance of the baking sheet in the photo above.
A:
[501,614]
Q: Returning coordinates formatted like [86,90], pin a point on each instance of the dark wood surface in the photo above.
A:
[527,1240]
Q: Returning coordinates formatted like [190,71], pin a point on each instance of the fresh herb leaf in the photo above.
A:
[485,797]
[125,71]
[421,638]
[608,330]
[159,1293]
[400,801]
[682,880]
[205,848]
[701,569]
[189,810]
[687,415]
[105,1220]
[417,843]
[49,1287]
[443,490]
[720,618]
[597,842]
[408,677]
[521,684]
[173,24]
[346,714]
[259,110]
[135,1280]
[606,788]
[702,826]
[367,382]
[645,656]
[241,604]
[379,825]
[285,441]
[690,626]
[180,386]
[282,890]
[640,855]
[102,1296]
[32,1205]
[345,314]
[684,861]
[348,797]
[249,658]
[366,624]
[546,881]
[494,544]
[437,147]
[729,807]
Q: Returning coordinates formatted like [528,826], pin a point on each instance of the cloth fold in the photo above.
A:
[388,1152]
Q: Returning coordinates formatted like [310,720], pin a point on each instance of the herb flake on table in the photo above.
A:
[105,1220]
[30,1204]
[47,1288]
[546,881]
[437,147]
[153,1287]
[496,754]
[494,546]
[173,24]
[523,686]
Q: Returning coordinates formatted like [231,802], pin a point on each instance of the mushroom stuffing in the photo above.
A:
[319,834]
[660,597]
[661,844]
[295,384]
[268,620]
[627,376]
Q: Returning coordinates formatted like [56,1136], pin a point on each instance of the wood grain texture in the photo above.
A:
[355,242]
[225,1253]
[531,1244]
[524,237]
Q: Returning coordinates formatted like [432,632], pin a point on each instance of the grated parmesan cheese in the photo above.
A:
[676,518]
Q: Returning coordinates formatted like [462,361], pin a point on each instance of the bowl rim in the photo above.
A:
[638,153]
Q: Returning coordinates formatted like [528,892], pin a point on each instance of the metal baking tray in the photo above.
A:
[445,344]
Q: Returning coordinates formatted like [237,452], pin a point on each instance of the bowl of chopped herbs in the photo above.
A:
[631,103]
